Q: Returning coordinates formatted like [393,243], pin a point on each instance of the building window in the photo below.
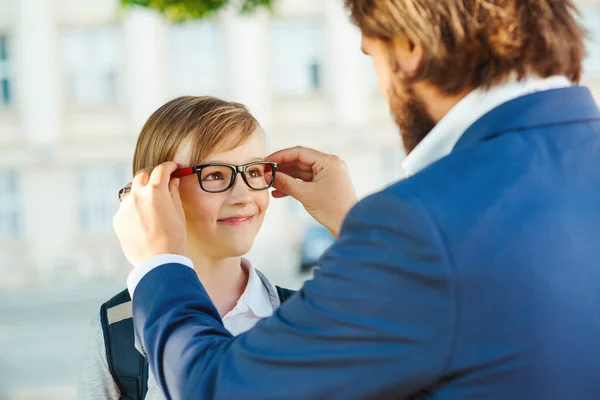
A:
[5,73]
[196,63]
[9,204]
[591,20]
[296,56]
[91,59]
[98,188]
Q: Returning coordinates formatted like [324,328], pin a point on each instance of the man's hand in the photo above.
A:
[317,180]
[150,220]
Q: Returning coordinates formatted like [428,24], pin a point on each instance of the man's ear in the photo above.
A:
[407,54]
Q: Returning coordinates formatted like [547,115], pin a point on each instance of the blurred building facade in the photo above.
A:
[75,91]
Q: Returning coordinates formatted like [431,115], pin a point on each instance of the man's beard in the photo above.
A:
[410,113]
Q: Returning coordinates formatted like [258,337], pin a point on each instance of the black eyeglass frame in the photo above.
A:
[182,172]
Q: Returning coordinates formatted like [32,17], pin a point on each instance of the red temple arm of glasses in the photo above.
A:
[180,173]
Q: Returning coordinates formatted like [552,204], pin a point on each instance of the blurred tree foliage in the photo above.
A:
[184,10]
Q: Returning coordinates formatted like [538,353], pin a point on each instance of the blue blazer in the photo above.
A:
[477,278]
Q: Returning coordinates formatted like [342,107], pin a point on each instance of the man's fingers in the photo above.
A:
[141,178]
[299,154]
[288,185]
[278,195]
[297,170]
[294,165]
[161,175]
[306,176]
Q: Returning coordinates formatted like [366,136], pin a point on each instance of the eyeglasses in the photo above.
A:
[220,177]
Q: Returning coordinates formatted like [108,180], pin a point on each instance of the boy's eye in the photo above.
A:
[215,176]
[254,173]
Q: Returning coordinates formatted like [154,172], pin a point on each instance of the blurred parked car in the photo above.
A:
[315,241]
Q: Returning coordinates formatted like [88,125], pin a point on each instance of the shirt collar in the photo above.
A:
[255,295]
[440,141]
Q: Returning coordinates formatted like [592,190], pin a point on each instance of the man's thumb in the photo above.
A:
[287,185]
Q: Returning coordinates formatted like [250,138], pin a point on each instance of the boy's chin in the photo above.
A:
[238,249]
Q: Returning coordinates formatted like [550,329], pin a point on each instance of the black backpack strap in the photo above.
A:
[284,294]
[127,366]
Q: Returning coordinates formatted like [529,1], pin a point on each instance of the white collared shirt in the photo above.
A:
[253,305]
[440,141]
